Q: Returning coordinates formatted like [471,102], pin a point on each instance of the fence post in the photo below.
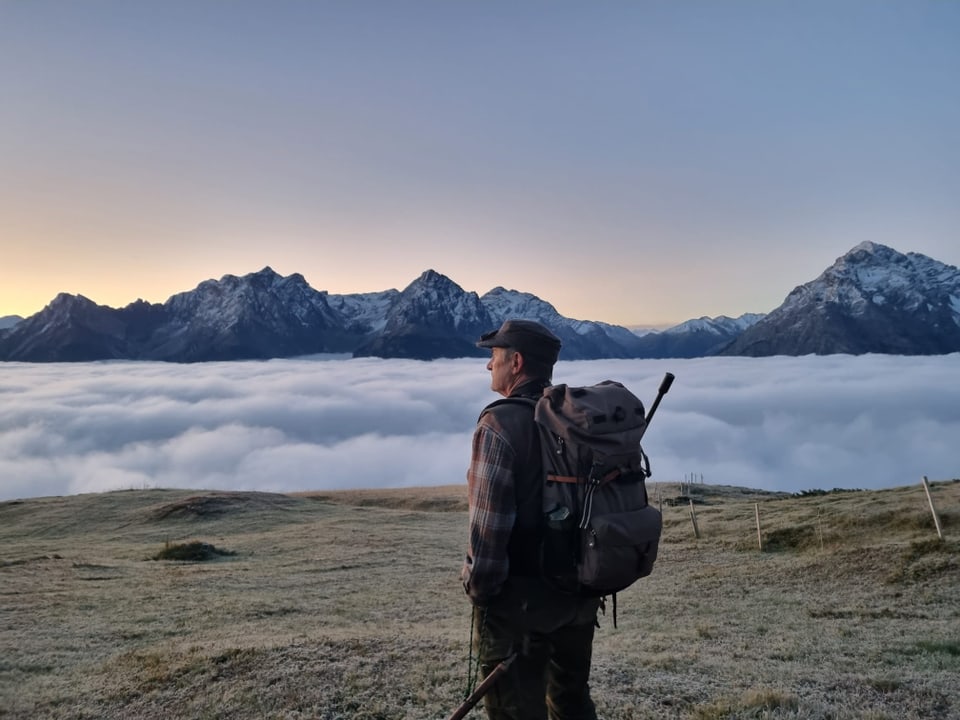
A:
[936,519]
[756,508]
[693,517]
[820,529]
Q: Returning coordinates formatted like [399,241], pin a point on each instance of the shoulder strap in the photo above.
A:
[518,400]
[532,404]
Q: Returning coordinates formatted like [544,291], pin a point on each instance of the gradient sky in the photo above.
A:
[632,162]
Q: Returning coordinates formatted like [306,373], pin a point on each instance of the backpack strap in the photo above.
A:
[572,479]
[518,400]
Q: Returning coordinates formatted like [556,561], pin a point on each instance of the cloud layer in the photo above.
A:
[327,423]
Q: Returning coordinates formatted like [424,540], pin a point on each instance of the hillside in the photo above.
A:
[347,605]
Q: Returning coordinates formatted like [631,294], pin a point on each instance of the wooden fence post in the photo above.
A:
[820,529]
[756,508]
[936,519]
[693,517]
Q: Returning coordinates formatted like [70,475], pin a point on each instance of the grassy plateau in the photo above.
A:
[187,604]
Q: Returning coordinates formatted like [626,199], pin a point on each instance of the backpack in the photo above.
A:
[599,533]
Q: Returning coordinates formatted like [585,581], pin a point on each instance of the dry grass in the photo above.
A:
[347,605]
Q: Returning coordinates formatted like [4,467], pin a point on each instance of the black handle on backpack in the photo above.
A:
[664,388]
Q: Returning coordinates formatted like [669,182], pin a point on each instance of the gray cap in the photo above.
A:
[530,338]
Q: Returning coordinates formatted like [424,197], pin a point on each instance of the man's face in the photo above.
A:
[502,371]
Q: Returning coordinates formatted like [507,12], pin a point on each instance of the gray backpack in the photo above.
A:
[599,532]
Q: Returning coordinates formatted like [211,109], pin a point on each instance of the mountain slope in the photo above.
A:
[871,300]
[582,339]
[432,318]
[72,328]
[8,321]
[695,338]
[260,315]
[364,313]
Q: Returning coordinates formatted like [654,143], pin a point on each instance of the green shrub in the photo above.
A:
[192,551]
[950,647]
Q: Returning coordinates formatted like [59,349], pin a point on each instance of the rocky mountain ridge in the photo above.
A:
[8,321]
[873,299]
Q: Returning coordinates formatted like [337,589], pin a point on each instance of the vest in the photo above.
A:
[514,422]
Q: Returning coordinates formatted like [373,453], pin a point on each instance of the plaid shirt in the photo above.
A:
[490,488]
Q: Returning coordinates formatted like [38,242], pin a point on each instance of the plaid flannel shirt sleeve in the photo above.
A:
[490,487]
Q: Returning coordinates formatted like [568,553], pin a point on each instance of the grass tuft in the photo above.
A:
[800,537]
[925,560]
[885,684]
[753,703]
[922,548]
[950,647]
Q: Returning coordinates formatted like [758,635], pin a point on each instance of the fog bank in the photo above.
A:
[327,423]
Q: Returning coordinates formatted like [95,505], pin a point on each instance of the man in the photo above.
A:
[516,612]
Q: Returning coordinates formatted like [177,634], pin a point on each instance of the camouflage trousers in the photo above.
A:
[551,636]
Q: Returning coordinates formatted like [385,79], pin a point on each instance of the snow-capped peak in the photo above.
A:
[503,304]
[720,325]
[877,274]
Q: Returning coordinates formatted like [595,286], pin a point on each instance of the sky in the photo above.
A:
[638,163]
[791,424]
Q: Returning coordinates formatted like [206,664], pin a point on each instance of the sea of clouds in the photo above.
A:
[325,422]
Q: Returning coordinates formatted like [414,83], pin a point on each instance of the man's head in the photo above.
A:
[521,350]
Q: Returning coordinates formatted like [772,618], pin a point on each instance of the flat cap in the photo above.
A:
[530,338]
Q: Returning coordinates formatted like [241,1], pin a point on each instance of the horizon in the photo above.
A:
[636,164]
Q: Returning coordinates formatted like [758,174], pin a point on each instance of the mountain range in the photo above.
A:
[873,299]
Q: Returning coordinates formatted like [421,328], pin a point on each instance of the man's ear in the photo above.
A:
[516,362]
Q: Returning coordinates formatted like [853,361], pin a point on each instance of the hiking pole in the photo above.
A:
[482,689]
[664,388]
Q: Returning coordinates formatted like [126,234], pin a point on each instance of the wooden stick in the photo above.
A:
[482,690]
[756,507]
[936,519]
[693,517]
